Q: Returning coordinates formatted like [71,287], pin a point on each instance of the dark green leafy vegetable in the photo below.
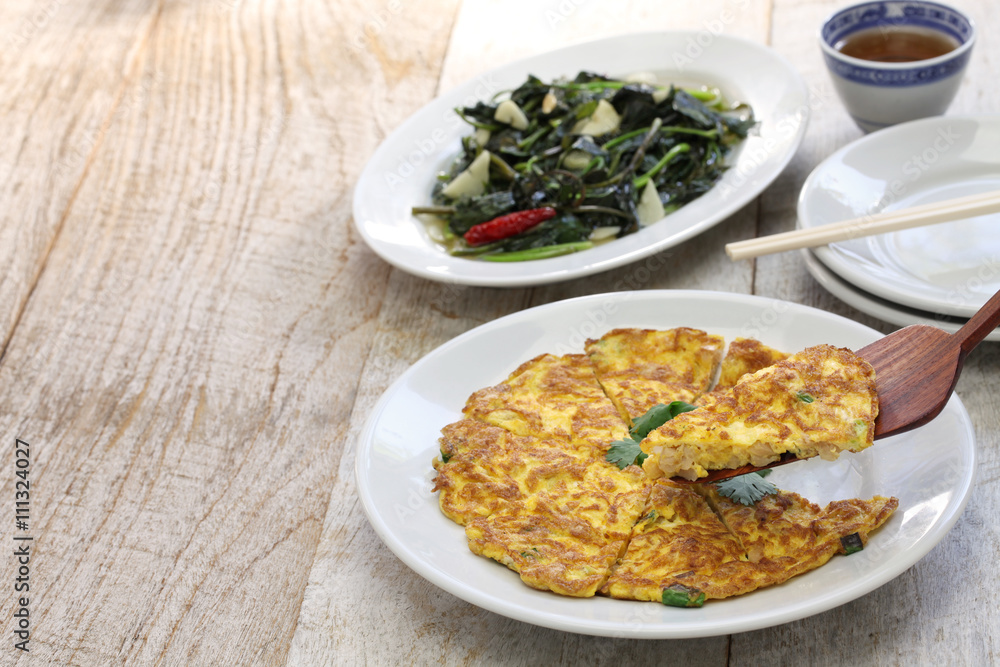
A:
[472,211]
[805,397]
[624,453]
[674,139]
[679,595]
[747,489]
[444,457]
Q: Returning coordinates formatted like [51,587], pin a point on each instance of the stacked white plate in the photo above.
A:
[939,274]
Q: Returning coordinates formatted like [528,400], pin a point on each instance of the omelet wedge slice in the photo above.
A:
[677,544]
[641,368]
[552,396]
[744,356]
[483,468]
[566,537]
[818,402]
[785,535]
[693,544]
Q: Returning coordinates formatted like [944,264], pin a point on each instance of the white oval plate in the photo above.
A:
[402,171]
[878,307]
[948,268]
[400,439]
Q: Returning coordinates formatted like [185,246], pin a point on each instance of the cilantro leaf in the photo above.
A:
[657,416]
[746,489]
[624,453]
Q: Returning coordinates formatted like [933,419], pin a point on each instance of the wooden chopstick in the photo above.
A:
[869,225]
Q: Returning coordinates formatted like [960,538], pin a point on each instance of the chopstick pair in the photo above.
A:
[879,223]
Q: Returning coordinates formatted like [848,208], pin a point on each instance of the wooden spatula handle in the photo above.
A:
[979,325]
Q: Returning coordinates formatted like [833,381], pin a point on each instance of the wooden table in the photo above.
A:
[192,333]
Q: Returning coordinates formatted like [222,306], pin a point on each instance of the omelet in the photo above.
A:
[566,537]
[818,402]
[640,368]
[524,470]
[688,548]
[552,396]
[678,543]
[744,356]
[785,535]
[483,468]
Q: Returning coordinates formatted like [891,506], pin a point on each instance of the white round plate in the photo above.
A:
[400,439]
[878,307]
[948,268]
[402,171]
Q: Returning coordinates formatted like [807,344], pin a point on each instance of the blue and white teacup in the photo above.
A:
[878,93]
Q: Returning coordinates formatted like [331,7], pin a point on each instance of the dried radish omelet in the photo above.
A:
[678,543]
[551,396]
[693,546]
[744,356]
[527,471]
[640,368]
[818,402]
[566,537]
[484,468]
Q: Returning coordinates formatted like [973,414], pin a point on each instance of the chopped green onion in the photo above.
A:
[679,595]
[852,543]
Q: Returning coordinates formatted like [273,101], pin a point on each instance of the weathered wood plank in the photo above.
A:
[189,358]
[62,87]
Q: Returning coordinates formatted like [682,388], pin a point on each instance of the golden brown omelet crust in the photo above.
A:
[785,535]
[488,468]
[525,473]
[551,396]
[640,368]
[677,540]
[744,356]
[820,401]
[714,546]
[565,538]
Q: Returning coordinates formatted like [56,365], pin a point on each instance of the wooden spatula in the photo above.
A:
[916,369]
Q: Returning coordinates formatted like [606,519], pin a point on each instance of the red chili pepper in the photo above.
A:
[507,225]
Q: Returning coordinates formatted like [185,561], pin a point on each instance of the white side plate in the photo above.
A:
[949,268]
[877,306]
[402,171]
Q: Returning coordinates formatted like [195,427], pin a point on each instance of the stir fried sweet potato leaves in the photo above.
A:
[609,155]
